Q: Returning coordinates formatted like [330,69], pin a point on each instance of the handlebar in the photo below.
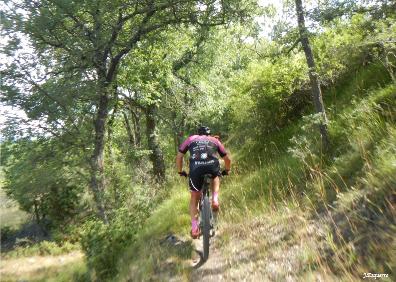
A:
[221,174]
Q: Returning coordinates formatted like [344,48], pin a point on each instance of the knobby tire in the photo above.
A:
[206,227]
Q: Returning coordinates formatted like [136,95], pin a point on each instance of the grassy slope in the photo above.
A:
[151,253]
[67,267]
[10,214]
[333,220]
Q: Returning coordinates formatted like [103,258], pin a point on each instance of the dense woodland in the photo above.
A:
[303,95]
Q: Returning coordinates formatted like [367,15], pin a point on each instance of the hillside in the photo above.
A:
[292,218]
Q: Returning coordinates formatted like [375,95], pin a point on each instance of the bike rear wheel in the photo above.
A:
[206,226]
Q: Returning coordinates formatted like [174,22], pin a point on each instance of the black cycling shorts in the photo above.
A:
[197,171]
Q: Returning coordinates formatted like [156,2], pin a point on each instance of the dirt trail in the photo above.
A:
[261,250]
[23,266]
[214,268]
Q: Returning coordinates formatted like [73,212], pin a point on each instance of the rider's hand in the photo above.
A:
[183,173]
[225,172]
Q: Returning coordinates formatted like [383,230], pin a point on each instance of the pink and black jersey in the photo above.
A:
[202,147]
[203,160]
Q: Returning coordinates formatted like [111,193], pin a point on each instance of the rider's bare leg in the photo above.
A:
[195,196]
[215,189]
[216,184]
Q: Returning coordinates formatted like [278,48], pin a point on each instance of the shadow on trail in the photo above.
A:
[177,243]
[201,260]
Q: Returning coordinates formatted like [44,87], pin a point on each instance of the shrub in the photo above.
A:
[6,232]
[104,244]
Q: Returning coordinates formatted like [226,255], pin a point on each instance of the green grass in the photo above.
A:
[73,271]
[355,191]
[355,84]
[43,248]
[10,214]
[76,272]
[243,198]
[151,254]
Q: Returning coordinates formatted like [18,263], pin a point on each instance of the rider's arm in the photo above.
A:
[179,161]
[227,162]
[182,150]
[223,153]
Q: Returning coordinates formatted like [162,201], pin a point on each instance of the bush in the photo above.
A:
[104,244]
[6,232]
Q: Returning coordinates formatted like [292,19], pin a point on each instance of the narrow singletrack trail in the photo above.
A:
[212,269]
[260,250]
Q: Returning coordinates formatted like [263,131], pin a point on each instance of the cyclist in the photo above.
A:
[203,160]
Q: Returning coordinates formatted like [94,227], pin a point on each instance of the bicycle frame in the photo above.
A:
[206,185]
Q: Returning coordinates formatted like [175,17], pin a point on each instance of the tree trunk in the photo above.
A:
[110,126]
[134,134]
[131,135]
[313,76]
[110,123]
[136,127]
[176,131]
[36,212]
[156,155]
[98,183]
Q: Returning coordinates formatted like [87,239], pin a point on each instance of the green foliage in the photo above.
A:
[307,147]
[355,133]
[344,45]
[339,47]
[10,214]
[43,183]
[259,107]
[150,251]
[274,93]
[104,244]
